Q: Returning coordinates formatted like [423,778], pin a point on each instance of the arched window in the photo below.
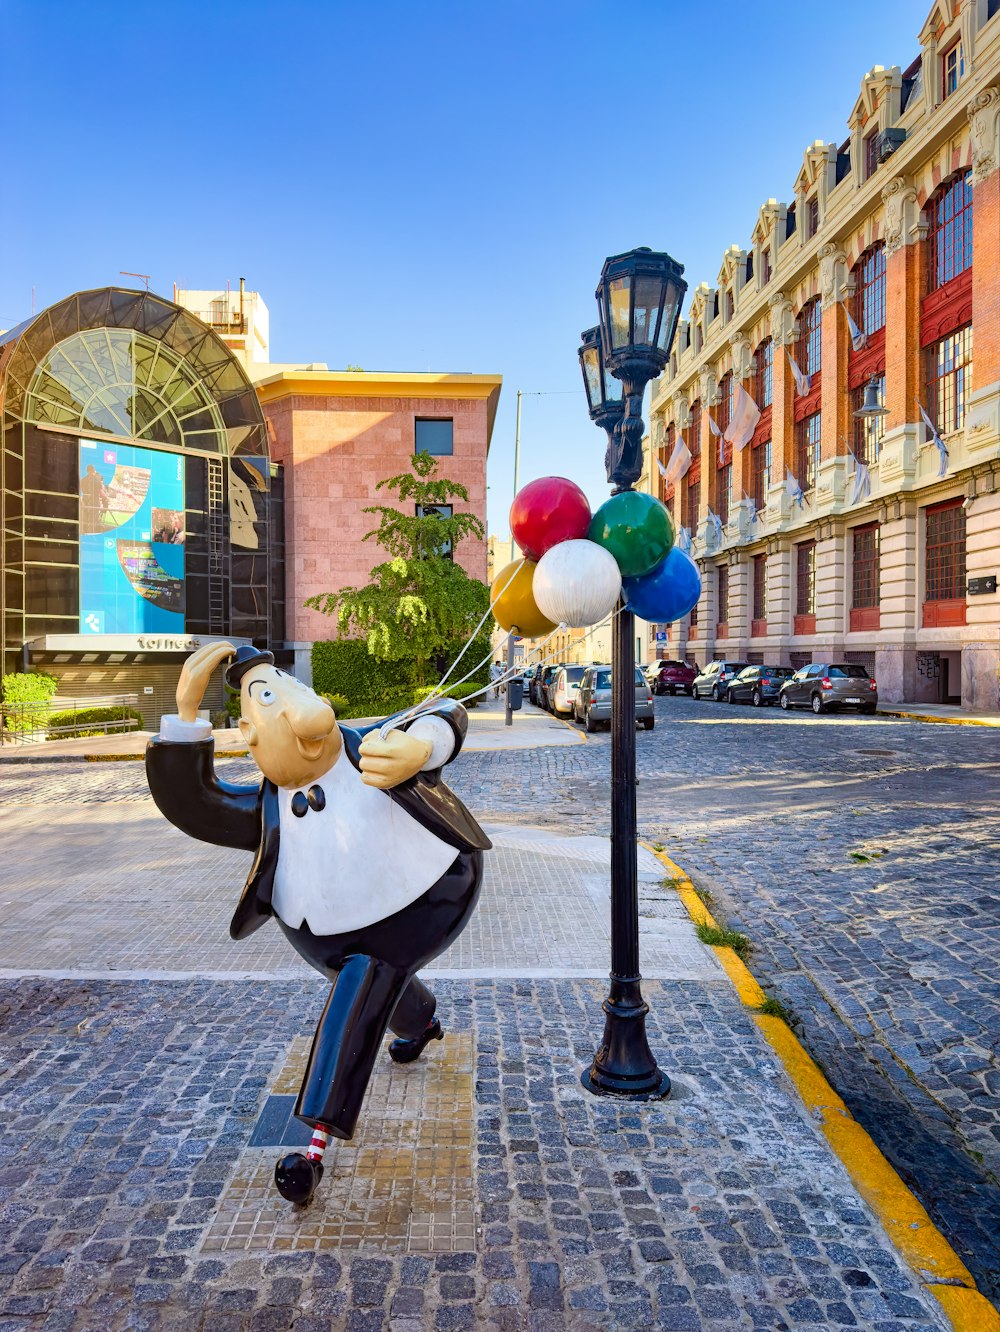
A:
[869,290]
[810,326]
[764,385]
[950,238]
[727,389]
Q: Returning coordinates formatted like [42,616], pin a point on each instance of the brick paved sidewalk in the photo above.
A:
[143,1112]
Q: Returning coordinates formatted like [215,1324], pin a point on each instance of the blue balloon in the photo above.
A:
[665,593]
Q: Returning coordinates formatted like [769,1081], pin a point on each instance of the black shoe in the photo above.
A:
[296,1177]
[404,1052]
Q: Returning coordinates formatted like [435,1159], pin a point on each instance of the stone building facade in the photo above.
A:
[828,537]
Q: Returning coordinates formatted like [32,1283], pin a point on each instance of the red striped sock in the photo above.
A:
[320,1140]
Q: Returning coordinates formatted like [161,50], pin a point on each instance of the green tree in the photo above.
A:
[420,603]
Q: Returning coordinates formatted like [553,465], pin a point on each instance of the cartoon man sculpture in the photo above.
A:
[369,863]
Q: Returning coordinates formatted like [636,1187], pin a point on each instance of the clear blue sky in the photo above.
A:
[417,186]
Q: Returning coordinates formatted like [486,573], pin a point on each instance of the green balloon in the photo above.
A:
[636,529]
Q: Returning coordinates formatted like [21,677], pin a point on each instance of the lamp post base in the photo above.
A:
[624,1065]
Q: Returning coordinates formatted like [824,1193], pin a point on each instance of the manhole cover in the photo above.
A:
[879,753]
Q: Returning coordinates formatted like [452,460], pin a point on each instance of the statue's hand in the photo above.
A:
[195,675]
[386,763]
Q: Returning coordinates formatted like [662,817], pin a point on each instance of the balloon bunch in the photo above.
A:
[577,564]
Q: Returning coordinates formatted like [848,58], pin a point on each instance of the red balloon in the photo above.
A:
[547,511]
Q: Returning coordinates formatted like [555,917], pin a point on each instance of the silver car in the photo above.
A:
[826,685]
[716,678]
[592,703]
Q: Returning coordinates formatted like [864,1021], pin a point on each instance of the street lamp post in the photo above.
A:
[639,299]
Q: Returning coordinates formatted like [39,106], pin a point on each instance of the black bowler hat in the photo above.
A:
[245,660]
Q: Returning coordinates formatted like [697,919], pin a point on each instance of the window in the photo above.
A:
[865,575]
[433,436]
[950,236]
[871,154]
[867,432]
[944,559]
[765,267]
[697,338]
[724,498]
[723,616]
[760,590]
[812,216]
[436,511]
[693,505]
[952,69]
[869,291]
[727,390]
[810,330]
[949,378]
[808,431]
[764,388]
[761,473]
[694,430]
[730,305]
[805,582]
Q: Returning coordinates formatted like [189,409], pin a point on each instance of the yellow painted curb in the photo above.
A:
[571,726]
[940,721]
[903,1217]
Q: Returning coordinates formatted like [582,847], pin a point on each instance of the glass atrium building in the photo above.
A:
[141,509]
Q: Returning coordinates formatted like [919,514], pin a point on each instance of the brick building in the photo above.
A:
[336,434]
[829,537]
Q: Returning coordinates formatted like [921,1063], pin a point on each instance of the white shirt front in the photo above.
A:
[358,860]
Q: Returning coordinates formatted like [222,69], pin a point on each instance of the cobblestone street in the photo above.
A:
[142,1052]
[860,855]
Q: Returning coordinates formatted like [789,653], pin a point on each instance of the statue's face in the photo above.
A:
[292,733]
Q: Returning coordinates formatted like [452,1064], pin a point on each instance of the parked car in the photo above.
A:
[826,685]
[544,680]
[533,684]
[564,688]
[671,677]
[758,685]
[714,679]
[592,704]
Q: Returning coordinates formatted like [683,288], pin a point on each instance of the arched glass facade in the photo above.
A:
[138,492]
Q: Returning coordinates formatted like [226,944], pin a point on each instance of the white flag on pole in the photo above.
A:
[936,440]
[803,382]
[744,420]
[677,465]
[862,482]
[794,491]
[858,339]
[713,427]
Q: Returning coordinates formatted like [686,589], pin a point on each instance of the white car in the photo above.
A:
[565,689]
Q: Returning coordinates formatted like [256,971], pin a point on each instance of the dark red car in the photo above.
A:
[671,677]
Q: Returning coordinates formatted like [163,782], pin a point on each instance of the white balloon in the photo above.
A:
[576,583]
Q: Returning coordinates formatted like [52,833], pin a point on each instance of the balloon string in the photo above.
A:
[438,689]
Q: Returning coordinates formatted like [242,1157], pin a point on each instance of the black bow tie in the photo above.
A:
[302,802]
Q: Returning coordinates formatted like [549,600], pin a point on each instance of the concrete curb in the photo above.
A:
[914,1234]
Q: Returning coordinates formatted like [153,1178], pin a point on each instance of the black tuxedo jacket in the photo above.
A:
[185,787]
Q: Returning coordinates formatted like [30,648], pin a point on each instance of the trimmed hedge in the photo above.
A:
[346,667]
[32,687]
[85,718]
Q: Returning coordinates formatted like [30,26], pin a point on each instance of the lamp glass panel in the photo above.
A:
[592,375]
[648,294]
[671,309]
[612,387]
[619,291]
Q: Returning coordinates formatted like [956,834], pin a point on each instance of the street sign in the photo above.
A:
[661,635]
[977,586]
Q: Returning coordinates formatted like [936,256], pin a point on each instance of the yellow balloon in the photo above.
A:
[513,603]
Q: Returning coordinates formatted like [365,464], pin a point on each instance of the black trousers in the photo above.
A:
[376,987]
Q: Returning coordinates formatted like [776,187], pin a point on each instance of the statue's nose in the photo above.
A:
[310,716]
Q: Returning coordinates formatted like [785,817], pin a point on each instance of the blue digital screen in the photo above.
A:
[131,539]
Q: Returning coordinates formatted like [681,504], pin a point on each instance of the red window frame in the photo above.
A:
[865,578]
[869,290]
[810,323]
[949,378]
[764,387]
[805,588]
[724,491]
[950,236]
[759,625]
[807,446]
[723,606]
[950,78]
[693,440]
[727,390]
[812,216]
[692,504]
[944,553]
[760,473]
